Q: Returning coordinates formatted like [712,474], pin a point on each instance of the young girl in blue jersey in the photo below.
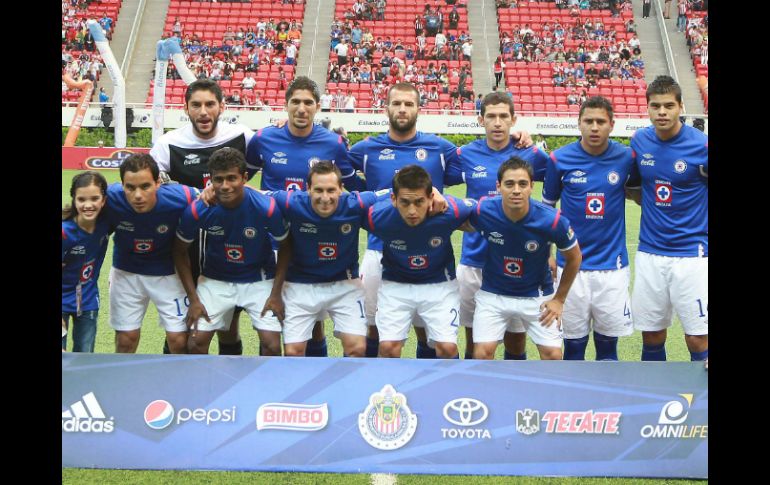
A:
[84,244]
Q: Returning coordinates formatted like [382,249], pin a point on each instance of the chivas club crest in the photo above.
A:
[387,423]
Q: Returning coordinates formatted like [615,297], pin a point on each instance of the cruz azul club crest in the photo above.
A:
[387,423]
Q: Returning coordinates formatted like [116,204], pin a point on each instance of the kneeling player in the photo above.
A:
[239,259]
[418,264]
[322,273]
[516,281]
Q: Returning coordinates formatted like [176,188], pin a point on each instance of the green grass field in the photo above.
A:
[629,349]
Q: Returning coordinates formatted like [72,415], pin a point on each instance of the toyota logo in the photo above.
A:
[462,411]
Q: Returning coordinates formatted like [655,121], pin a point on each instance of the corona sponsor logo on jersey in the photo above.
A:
[672,422]
[160,414]
[113,161]
[528,422]
[292,417]
[86,416]
[466,413]
[387,423]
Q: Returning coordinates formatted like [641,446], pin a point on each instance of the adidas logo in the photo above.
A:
[86,416]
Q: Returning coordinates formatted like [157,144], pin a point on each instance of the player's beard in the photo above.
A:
[211,132]
[409,126]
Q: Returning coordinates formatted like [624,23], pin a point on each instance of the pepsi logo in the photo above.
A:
[159,414]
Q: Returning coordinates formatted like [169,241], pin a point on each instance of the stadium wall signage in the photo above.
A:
[95,158]
[366,122]
[625,419]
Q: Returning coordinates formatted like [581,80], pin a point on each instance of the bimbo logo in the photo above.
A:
[113,161]
[292,417]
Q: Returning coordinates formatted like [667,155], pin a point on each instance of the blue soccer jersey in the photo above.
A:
[238,249]
[419,254]
[324,249]
[478,169]
[380,157]
[82,255]
[517,252]
[143,241]
[285,159]
[592,192]
[674,183]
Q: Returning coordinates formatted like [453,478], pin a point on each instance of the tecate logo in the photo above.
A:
[292,417]
[160,414]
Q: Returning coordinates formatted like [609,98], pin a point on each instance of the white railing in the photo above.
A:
[669,54]
[124,66]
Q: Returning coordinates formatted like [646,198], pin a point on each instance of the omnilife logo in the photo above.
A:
[671,422]
[86,416]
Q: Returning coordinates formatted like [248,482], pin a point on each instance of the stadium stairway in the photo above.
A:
[654,54]
[313,59]
[119,42]
[482,26]
[142,62]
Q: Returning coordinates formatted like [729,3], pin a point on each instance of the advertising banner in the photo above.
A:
[624,419]
[375,122]
[96,158]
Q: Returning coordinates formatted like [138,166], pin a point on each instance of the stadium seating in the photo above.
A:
[398,24]
[522,77]
[697,39]
[209,22]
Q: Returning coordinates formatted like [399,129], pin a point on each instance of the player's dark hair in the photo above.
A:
[403,86]
[664,85]
[322,168]
[597,102]
[303,82]
[204,84]
[412,177]
[496,98]
[79,181]
[137,162]
[225,159]
[514,163]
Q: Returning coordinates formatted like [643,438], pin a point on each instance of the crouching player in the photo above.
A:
[418,264]
[322,274]
[517,284]
[239,259]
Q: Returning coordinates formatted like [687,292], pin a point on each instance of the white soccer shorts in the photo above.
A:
[469,282]
[600,297]
[437,304]
[306,303]
[371,276]
[664,284]
[131,293]
[497,314]
[221,297]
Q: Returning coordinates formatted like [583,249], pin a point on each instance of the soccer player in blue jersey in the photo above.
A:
[589,177]
[144,215]
[182,155]
[285,153]
[239,263]
[671,265]
[322,274]
[379,158]
[418,265]
[479,161]
[517,292]
[84,237]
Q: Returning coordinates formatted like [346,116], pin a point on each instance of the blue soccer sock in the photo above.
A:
[509,356]
[316,349]
[698,356]
[575,348]
[231,349]
[425,352]
[606,347]
[469,354]
[652,353]
[372,347]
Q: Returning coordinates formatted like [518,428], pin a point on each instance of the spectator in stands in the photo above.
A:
[454,18]
[229,35]
[326,101]
[248,82]
[381,4]
[103,97]
[572,98]
[646,6]
[235,98]
[467,49]
[342,52]
[681,20]
[667,9]
[339,100]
